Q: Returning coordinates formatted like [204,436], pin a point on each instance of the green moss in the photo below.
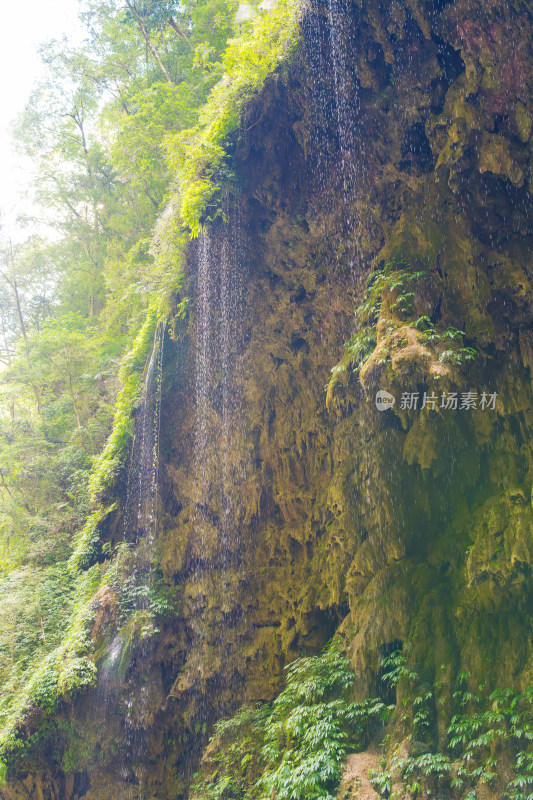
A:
[199,154]
[85,547]
[109,462]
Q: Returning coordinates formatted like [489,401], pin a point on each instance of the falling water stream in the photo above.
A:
[327,38]
[141,493]
[343,106]
[217,468]
[218,434]
[139,529]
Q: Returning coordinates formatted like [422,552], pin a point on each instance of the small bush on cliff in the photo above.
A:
[199,154]
[390,290]
[395,279]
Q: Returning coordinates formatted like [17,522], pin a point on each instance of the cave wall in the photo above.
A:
[301,517]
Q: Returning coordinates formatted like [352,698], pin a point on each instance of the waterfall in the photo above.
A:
[231,291]
[335,99]
[218,432]
[345,110]
[141,493]
[319,99]
[139,527]
[205,334]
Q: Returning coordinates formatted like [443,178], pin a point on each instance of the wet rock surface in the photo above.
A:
[408,524]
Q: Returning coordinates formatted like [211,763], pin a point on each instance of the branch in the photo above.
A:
[148,41]
[173,24]
[4,485]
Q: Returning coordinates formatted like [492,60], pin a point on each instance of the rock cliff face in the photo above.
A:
[397,142]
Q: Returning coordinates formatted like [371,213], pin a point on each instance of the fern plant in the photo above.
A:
[293,748]
[484,729]
[394,278]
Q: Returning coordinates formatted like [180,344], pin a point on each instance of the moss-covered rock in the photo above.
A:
[404,525]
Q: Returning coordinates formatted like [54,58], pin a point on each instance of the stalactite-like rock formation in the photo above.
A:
[282,519]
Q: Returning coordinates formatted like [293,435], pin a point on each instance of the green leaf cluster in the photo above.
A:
[395,280]
[487,731]
[293,748]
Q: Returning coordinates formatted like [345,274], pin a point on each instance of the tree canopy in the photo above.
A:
[107,126]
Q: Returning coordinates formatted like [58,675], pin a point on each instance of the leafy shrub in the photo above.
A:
[395,279]
[293,748]
[486,730]
[49,679]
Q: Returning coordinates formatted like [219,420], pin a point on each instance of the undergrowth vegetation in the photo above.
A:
[294,747]
[488,734]
[157,89]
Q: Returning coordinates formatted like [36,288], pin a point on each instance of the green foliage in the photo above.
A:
[292,749]
[156,88]
[394,281]
[381,780]
[199,154]
[102,127]
[484,724]
[42,680]
[234,762]
[486,730]
[143,599]
[85,544]
[430,335]
[395,278]
[313,726]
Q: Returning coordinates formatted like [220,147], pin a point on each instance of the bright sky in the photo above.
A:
[25,24]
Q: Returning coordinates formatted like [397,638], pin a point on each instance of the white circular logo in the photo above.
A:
[384,400]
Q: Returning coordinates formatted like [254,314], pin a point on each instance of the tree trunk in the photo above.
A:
[4,485]
[173,24]
[76,411]
[148,41]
